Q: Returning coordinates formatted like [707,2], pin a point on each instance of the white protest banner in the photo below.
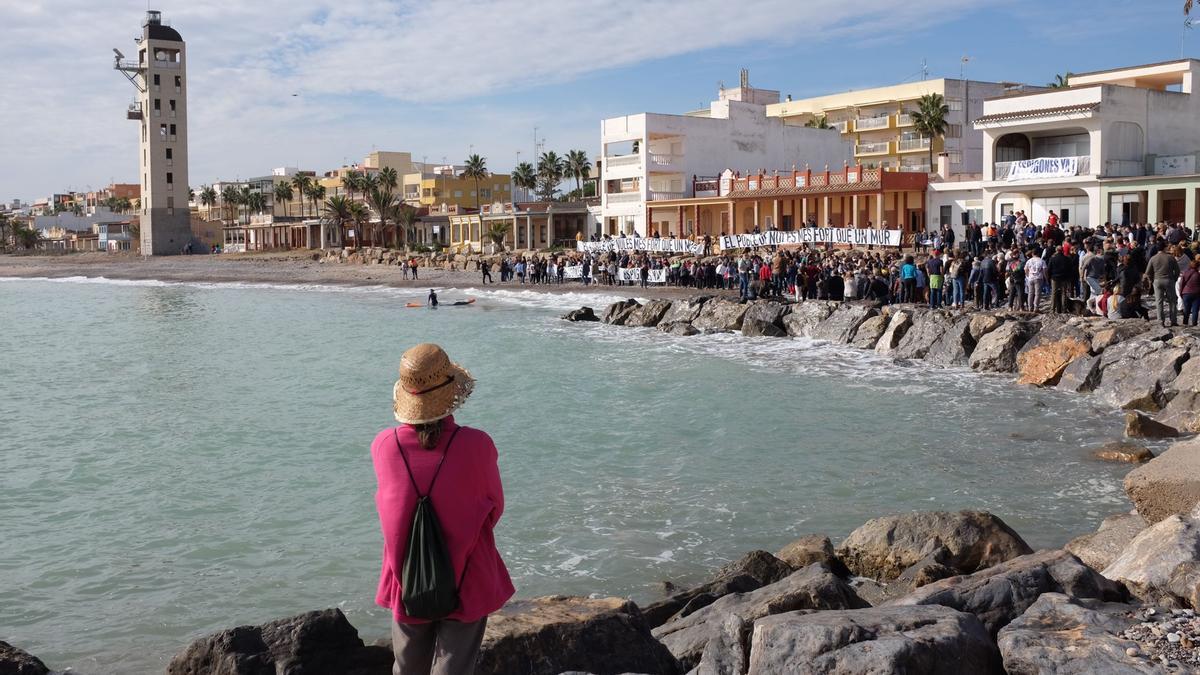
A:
[653,245]
[573,272]
[634,274]
[1043,167]
[858,236]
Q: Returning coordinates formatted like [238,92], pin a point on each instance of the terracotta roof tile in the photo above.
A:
[1038,112]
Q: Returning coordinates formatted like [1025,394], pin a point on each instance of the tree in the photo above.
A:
[360,215]
[244,200]
[6,228]
[406,220]
[389,178]
[578,167]
[229,201]
[208,198]
[498,231]
[384,203]
[550,171]
[1060,80]
[316,192]
[1187,7]
[283,193]
[256,202]
[476,169]
[350,182]
[524,178]
[301,183]
[366,183]
[337,213]
[930,119]
[821,122]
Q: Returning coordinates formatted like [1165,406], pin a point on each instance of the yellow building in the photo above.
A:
[432,190]
[880,124]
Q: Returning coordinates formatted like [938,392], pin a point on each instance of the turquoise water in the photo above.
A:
[177,459]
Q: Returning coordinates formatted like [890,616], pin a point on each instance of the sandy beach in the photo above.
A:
[280,268]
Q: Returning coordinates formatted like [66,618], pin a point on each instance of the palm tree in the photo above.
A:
[498,231]
[301,183]
[255,201]
[930,119]
[1187,7]
[208,198]
[283,193]
[406,219]
[337,213]
[350,182]
[821,122]
[524,178]
[383,202]
[316,192]
[476,168]
[389,178]
[244,200]
[1060,80]
[578,167]
[550,171]
[360,215]
[229,201]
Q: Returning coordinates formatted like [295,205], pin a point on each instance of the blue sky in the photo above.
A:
[435,78]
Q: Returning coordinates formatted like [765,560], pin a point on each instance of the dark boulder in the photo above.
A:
[618,312]
[16,661]
[649,314]
[840,326]
[750,572]
[996,350]
[582,314]
[757,328]
[678,328]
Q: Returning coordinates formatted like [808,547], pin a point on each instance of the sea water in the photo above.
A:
[176,459]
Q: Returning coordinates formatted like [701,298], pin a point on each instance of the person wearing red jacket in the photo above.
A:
[457,468]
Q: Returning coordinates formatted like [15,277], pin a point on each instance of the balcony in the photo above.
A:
[659,195]
[622,160]
[662,160]
[1124,167]
[134,112]
[914,168]
[912,144]
[1042,168]
[868,123]
[904,120]
[623,197]
[843,126]
[880,148]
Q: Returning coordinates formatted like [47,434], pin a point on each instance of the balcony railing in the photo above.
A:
[843,126]
[865,123]
[1083,167]
[707,186]
[623,197]
[659,195]
[622,160]
[663,159]
[911,144]
[904,120]
[872,148]
[1124,167]
[914,168]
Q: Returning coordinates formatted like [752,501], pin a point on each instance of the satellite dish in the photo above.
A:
[160,55]
[118,53]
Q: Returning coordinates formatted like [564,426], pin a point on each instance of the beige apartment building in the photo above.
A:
[879,122]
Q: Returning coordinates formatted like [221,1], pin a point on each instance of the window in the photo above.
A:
[170,205]
[172,132]
[169,153]
[156,79]
[954,156]
[458,193]
[178,83]
[955,104]
[952,130]
[172,104]
[158,104]
[170,178]
[485,193]
[162,132]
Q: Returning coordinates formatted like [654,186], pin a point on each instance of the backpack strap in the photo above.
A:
[408,468]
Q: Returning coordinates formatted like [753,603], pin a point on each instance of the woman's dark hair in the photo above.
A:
[429,434]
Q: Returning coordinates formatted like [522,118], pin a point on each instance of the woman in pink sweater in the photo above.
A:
[429,454]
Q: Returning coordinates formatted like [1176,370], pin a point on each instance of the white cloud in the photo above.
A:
[395,73]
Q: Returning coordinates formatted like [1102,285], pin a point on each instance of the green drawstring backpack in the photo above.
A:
[430,590]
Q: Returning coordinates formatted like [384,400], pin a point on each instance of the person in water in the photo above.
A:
[432,300]
[457,468]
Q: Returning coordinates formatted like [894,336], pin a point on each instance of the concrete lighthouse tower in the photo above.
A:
[160,75]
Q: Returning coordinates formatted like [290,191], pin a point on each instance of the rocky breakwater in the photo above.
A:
[1152,373]
[926,592]
[374,255]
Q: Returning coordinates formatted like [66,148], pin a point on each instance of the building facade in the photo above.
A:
[160,75]
[651,157]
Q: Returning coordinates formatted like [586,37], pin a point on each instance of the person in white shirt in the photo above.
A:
[1035,272]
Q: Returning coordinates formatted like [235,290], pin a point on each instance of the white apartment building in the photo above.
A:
[650,157]
[1057,149]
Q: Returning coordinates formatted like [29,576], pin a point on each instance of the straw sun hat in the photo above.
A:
[431,386]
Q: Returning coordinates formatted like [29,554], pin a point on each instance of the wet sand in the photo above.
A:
[284,268]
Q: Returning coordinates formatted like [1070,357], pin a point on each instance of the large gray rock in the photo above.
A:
[581,314]
[999,594]
[899,324]
[926,640]
[554,634]
[884,547]
[996,351]
[314,642]
[982,324]
[1081,375]
[726,653]
[649,314]
[1098,549]
[814,587]
[1140,425]
[1148,562]
[1167,484]
[814,548]
[750,572]
[16,661]
[685,310]
[767,311]
[678,328]
[1060,634]
[1137,380]
[955,346]
[804,318]
[618,312]
[758,328]
[843,323]
[1115,332]
[927,329]
[720,315]
[869,332]
[1184,392]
